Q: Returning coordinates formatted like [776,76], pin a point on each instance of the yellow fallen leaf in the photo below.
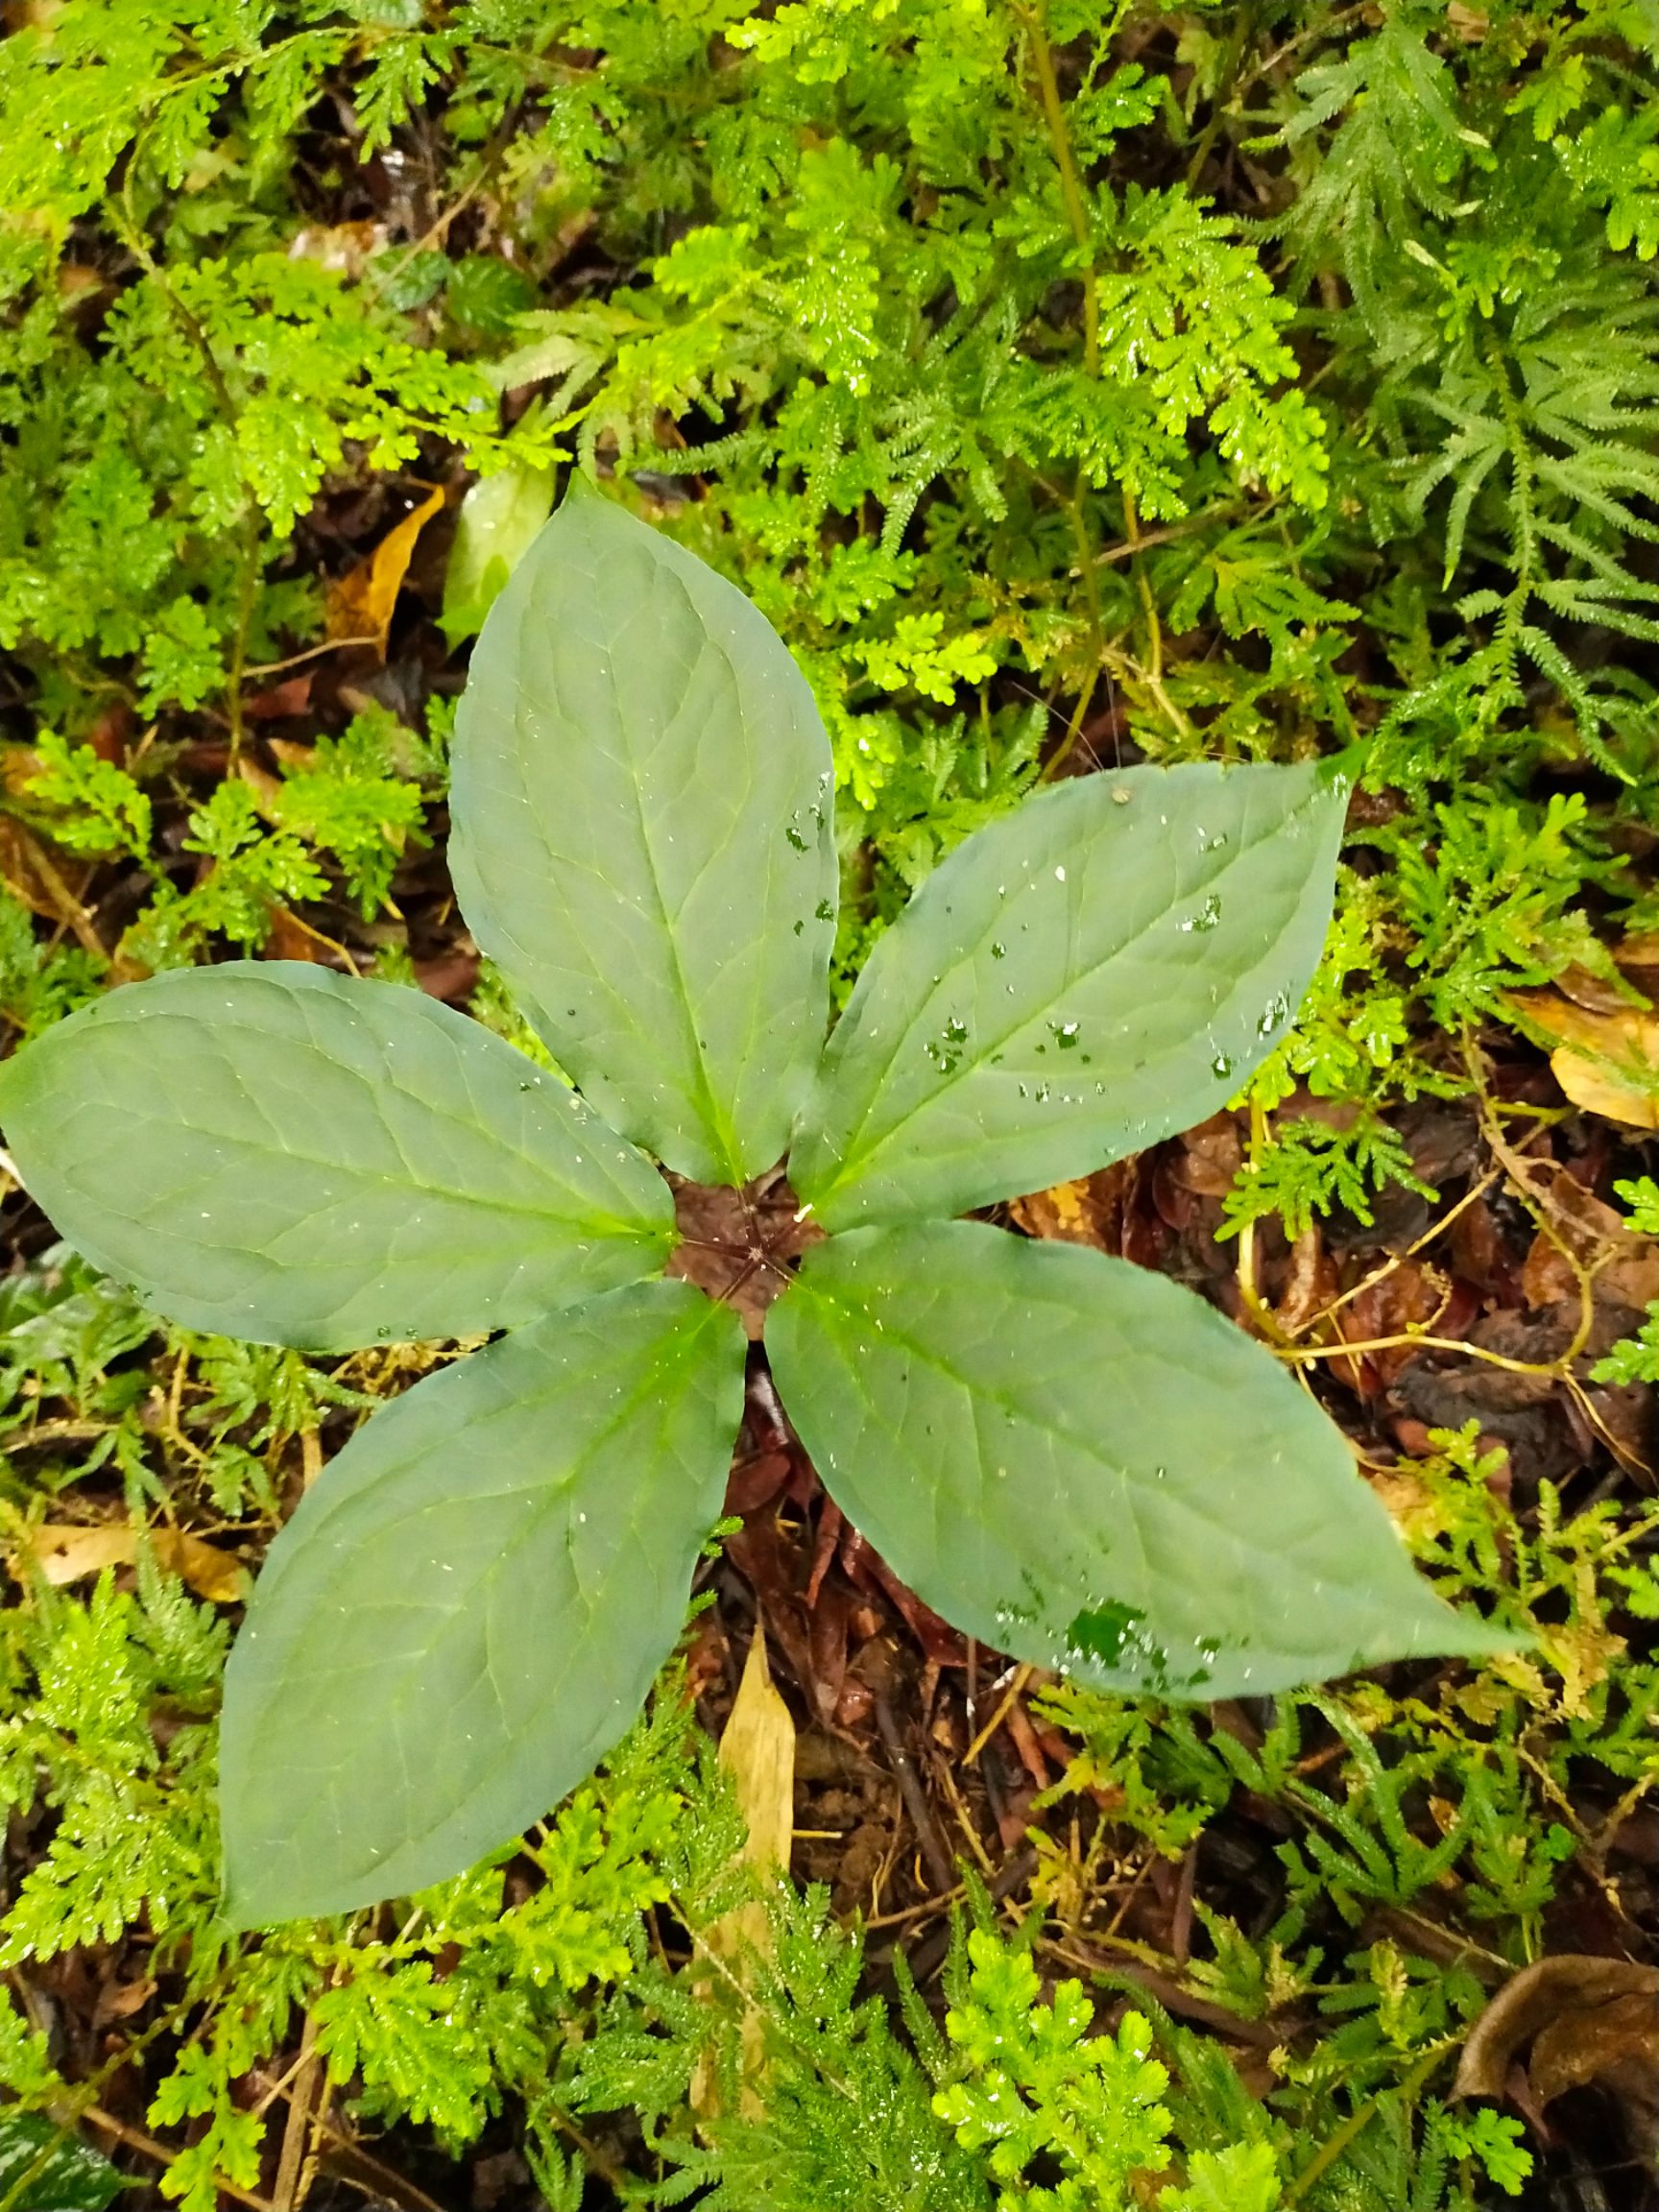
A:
[347,247]
[1591,1085]
[360,603]
[1606,1063]
[757,1750]
[68,1551]
[1058,1213]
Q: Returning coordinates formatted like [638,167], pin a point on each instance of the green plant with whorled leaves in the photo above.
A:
[1076,1462]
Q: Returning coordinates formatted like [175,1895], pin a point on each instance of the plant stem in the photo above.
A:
[1226,84]
[1070,184]
[1082,231]
[127,225]
[1330,2151]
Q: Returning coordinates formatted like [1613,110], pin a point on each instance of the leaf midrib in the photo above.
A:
[720,1135]
[680,1349]
[977,1393]
[410,1180]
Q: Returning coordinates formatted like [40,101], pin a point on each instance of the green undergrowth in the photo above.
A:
[1066,380]
[1070,383]
[1420,1839]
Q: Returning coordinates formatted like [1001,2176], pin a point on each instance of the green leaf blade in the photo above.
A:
[642,838]
[1082,1464]
[43,2168]
[468,1609]
[1103,967]
[499,519]
[268,1151]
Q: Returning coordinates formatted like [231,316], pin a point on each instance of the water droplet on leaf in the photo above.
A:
[1208,916]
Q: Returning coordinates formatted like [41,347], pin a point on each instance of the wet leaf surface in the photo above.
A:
[630,702]
[252,1147]
[1086,1467]
[1079,980]
[456,1624]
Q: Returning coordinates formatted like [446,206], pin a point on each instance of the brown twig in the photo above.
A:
[1022,1675]
[136,2139]
[296,2162]
[940,1863]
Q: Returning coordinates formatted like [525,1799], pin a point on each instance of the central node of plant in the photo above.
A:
[740,1246]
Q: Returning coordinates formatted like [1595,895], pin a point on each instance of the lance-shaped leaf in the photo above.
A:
[468,1608]
[642,800]
[1102,967]
[1084,1465]
[269,1150]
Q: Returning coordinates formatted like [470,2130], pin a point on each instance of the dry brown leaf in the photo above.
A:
[451,975]
[1617,2044]
[757,1750]
[1596,1237]
[360,603]
[282,702]
[346,246]
[1058,1213]
[290,938]
[1596,1089]
[1587,2020]
[121,2000]
[1207,1159]
[265,787]
[736,1245]
[68,1551]
[1087,1211]
[1596,993]
[1607,1064]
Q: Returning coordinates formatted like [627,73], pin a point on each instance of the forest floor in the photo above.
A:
[921,1760]
[270,298]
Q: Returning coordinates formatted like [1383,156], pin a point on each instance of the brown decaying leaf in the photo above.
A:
[1087,1211]
[347,247]
[68,1551]
[290,938]
[738,1246]
[1410,1296]
[1625,1266]
[282,702]
[1588,2021]
[360,603]
[451,975]
[757,1750]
